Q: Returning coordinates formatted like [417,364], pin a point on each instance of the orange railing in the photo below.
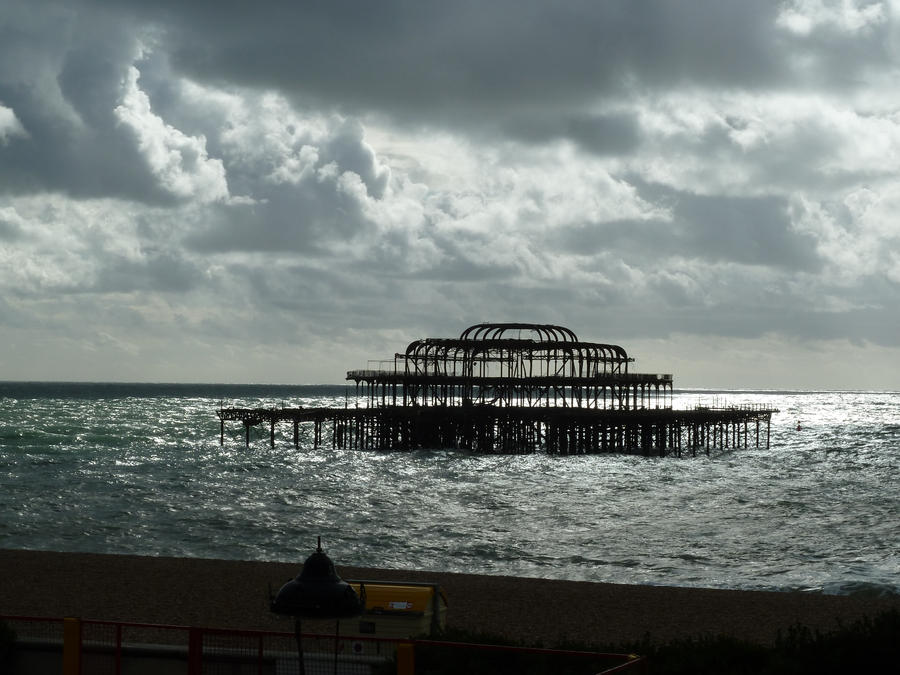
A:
[90,647]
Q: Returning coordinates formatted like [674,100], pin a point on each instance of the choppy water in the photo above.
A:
[138,469]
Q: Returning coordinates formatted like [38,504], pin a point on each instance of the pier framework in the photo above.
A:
[515,388]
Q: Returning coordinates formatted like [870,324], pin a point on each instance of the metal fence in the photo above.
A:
[87,647]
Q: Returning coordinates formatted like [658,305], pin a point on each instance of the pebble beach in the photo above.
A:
[536,612]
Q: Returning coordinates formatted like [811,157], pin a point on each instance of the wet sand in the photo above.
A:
[234,594]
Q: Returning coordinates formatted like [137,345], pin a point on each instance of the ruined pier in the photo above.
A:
[513,389]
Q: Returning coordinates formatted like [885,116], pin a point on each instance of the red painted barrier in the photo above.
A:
[85,646]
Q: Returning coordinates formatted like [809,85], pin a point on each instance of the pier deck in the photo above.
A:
[519,429]
[516,388]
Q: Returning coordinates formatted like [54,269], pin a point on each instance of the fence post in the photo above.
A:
[71,646]
[118,649]
[406,658]
[195,651]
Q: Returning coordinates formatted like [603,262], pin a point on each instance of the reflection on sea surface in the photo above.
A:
[141,471]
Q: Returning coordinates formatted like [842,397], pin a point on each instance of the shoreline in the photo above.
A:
[538,612]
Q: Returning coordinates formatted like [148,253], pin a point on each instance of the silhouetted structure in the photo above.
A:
[318,593]
[517,388]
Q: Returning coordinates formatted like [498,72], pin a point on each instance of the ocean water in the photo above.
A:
[113,468]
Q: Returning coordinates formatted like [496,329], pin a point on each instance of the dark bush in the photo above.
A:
[7,644]
[868,645]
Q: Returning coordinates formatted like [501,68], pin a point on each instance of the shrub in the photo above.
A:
[868,645]
[7,643]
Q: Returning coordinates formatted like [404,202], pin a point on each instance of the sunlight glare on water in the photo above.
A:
[145,474]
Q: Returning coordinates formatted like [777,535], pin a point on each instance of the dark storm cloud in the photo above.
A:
[293,299]
[303,219]
[836,57]
[9,230]
[598,134]
[458,61]
[460,264]
[86,164]
[802,321]
[347,149]
[747,230]
[743,230]
[62,75]
[163,271]
[531,71]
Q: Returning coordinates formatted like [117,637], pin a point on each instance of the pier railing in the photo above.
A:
[400,374]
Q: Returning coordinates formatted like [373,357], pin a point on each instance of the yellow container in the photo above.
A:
[401,609]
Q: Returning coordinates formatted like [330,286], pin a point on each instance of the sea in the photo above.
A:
[139,469]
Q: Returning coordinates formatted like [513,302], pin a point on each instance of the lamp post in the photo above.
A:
[318,593]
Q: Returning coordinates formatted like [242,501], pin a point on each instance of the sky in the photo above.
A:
[280,192]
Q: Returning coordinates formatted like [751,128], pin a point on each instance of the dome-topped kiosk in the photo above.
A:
[318,593]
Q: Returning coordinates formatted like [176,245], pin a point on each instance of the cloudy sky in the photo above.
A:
[224,191]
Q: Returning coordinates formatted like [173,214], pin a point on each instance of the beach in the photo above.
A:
[235,594]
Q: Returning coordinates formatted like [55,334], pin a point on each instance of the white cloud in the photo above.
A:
[261,135]
[10,125]
[805,16]
[180,162]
